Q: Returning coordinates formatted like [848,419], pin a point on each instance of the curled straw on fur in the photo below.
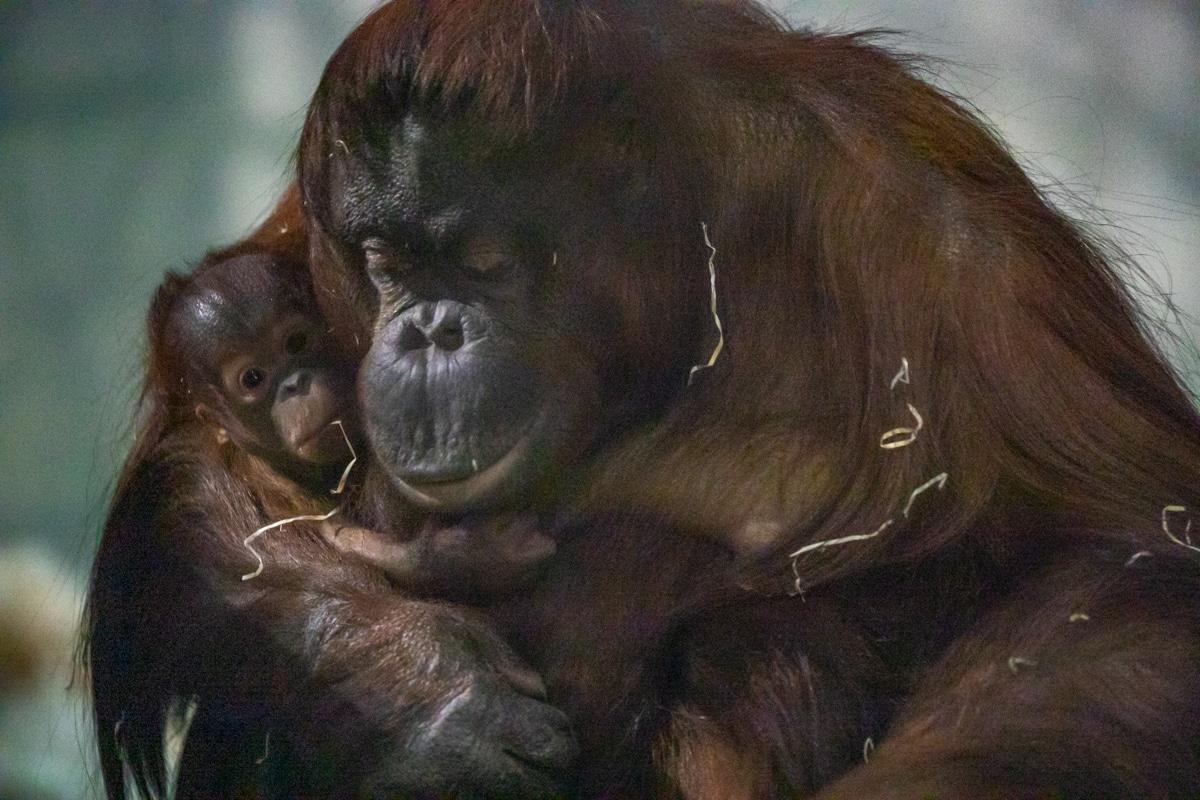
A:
[1186,541]
[901,376]
[902,437]
[1140,554]
[341,487]
[940,480]
[860,537]
[247,542]
[888,441]
[712,284]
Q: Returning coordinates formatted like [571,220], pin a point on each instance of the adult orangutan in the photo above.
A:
[916,527]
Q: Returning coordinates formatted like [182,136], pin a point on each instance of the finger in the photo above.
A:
[497,774]
[524,680]
[537,734]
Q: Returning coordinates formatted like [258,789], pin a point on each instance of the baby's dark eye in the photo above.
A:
[296,343]
[252,378]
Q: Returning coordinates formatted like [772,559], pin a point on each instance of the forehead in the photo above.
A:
[235,303]
[425,176]
[211,320]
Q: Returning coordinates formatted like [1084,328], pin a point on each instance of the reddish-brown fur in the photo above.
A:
[860,217]
[167,582]
[171,623]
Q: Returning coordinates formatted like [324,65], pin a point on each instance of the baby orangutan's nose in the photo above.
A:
[295,384]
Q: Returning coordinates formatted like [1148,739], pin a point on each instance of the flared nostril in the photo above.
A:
[412,338]
[448,335]
[438,326]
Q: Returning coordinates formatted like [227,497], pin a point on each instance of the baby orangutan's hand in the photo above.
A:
[469,558]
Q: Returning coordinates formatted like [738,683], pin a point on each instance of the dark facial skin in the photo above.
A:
[283,401]
[476,385]
[260,364]
[268,383]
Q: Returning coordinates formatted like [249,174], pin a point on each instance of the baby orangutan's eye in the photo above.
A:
[252,378]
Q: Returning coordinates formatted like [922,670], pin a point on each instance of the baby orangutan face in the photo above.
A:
[285,395]
[270,380]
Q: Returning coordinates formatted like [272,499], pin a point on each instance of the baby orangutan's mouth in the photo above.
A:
[324,443]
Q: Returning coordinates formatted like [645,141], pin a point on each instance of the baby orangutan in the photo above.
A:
[252,354]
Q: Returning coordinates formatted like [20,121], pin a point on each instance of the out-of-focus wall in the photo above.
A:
[135,136]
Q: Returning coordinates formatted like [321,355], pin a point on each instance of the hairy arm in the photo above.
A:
[367,686]
[1084,684]
[776,697]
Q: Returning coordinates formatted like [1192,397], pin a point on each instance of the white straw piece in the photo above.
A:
[712,290]
[940,480]
[341,487]
[903,437]
[266,753]
[1018,663]
[902,376]
[859,537]
[1140,554]
[1166,526]
[247,542]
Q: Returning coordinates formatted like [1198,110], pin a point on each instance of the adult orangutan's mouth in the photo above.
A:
[454,492]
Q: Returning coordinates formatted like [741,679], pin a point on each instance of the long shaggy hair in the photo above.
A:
[862,220]
[134,680]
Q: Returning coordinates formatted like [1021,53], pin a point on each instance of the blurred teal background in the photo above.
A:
[134,136]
